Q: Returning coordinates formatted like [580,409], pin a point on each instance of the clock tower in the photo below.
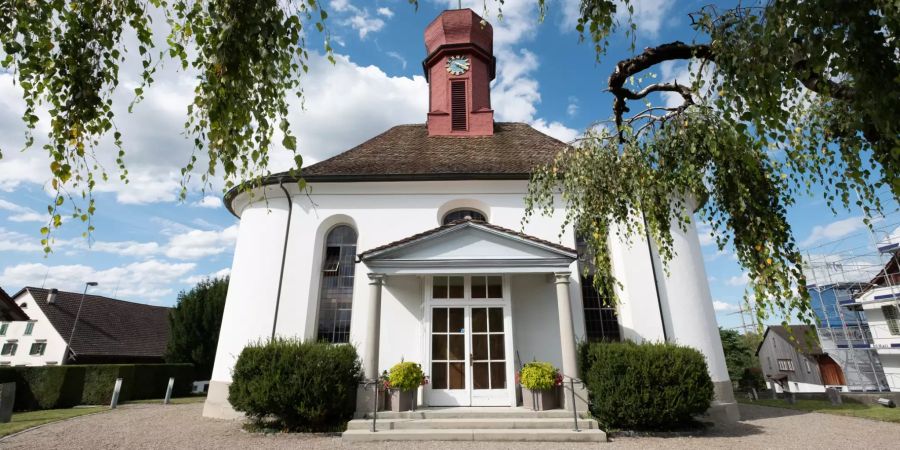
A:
[459,68]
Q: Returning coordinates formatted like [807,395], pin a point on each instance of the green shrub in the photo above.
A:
[44,387]
[302,386]
[645,386]
[48,387]
[406,376]
[539,376]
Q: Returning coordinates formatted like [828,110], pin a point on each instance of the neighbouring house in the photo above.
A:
[881,305]
[845,336]
[37,327]
[411,246]
[793,361]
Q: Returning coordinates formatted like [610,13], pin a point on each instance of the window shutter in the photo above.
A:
[458,105]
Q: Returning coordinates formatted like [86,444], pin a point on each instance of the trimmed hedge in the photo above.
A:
[301,386]
[646,386]
[49,387]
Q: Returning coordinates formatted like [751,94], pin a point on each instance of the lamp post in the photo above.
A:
[83,294]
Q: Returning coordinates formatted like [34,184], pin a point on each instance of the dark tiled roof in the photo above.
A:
[460,223]
[407,152]
[107,328]
[801,341]
[9,310]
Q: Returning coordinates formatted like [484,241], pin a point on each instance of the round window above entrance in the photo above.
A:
[460,214]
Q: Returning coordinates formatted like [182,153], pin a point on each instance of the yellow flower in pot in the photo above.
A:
[403,381]
[539,382]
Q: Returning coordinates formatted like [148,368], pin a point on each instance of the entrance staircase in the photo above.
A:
[475,424]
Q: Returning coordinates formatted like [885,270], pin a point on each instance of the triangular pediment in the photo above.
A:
[469,244]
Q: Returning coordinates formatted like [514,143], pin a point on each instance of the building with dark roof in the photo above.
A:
[106,330]
[793,360]
[412,246]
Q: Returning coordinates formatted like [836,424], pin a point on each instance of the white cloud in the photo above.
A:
[359,18]
[12,241]
[210,201]
[649,15]
[365,24]
[738,281]
[125,248]
[398,57]
[555,129]
[340,5]
[364,96]
[197,244]
[148,280]
[194,279]
[721,306]
[833,231]
[21,213]
[704,232]
[572,107]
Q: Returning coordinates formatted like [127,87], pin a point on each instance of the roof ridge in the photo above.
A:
[96,296]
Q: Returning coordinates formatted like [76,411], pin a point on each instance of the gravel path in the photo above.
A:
[182,427]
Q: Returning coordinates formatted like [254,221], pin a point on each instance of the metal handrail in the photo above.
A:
[374,384]
[572,381]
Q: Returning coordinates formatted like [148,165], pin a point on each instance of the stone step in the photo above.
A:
[475,413]
[506,423]
[517,435]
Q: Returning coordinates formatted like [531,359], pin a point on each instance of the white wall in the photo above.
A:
[384,212]
[250,304]
[43,331]
[534,314]
[402,309]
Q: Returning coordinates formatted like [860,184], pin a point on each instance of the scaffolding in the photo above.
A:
[839,273]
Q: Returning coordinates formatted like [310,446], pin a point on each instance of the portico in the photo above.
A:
[474,278]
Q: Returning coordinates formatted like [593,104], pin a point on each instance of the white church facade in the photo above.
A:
[411,247]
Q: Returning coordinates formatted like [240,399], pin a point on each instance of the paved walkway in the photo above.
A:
[182,427]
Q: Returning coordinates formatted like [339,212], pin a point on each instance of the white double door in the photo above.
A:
[470,350]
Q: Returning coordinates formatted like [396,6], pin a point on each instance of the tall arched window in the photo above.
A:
[600,320]
[460,214]
[336,292]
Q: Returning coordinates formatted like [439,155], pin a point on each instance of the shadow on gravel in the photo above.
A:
[749,413]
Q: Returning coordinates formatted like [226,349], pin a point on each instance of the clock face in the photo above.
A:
[457,65]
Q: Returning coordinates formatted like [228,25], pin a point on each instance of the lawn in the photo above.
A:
[25,420]
[865,411]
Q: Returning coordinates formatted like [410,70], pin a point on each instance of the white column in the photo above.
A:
[692,320]
[373,326]
[566,329]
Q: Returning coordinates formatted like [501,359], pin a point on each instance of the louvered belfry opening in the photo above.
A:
[458,105]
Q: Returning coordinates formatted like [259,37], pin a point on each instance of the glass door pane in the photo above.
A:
[448,349]
[488,349]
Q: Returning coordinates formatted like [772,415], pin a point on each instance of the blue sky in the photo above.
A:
[148,245]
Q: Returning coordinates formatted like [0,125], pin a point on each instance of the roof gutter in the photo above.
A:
[287,233]
[364,178]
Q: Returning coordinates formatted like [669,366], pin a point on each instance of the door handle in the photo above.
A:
[471,358]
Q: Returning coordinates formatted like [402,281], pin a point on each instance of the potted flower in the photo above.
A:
[539,382]
[403,383]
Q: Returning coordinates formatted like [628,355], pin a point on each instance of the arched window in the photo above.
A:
[600,320]
[460,214]
[336,293]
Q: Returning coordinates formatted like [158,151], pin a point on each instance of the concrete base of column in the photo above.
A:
[581,398]
[216,405]
[364,401]
[724,408]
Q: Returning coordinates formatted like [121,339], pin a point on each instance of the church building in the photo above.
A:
[410,246]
